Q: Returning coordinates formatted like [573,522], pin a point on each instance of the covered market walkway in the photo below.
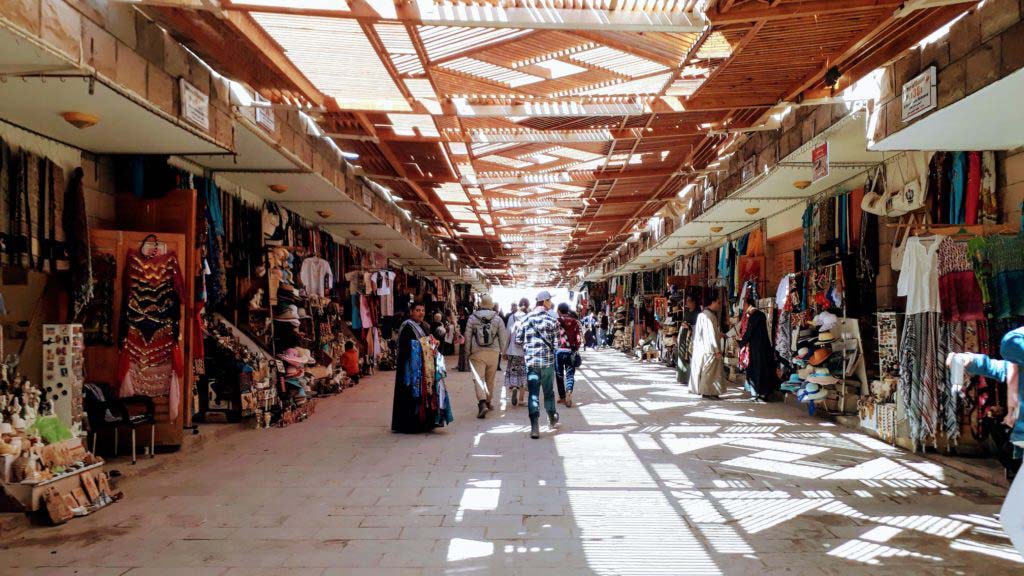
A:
[643,478]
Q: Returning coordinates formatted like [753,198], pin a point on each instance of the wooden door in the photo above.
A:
[101,361]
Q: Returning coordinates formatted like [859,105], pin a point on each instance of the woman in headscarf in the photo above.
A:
[413,409]
[761,368]
[515,369]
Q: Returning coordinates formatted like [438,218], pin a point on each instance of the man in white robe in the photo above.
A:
[707,373]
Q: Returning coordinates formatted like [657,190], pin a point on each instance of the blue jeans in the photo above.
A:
[536,378]
[565,372]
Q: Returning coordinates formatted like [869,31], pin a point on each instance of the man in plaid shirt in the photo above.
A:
[538,335]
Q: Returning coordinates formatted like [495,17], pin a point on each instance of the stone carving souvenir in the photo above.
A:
[89,483]
[56,507]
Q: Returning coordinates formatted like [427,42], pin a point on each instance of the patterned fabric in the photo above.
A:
[921,374]
[150,360]
[959,293]
[953,341]
[1006,256]
[538,335]
[515,372]
[76,230]
[783,336]
[414,368]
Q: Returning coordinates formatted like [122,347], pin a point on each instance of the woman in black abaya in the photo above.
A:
[761,370]
[408,413]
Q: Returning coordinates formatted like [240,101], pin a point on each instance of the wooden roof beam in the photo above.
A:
[539,178]
[270,50]
[755,12]
[426,12]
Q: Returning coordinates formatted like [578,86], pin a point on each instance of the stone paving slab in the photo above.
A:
[642,479]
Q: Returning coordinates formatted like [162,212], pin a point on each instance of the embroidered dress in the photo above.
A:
[959,293]
[150,362]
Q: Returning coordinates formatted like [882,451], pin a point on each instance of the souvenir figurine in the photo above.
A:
[16,420]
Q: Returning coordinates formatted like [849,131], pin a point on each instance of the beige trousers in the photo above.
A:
[484,364]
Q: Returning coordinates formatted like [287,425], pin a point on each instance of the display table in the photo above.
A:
[30,495]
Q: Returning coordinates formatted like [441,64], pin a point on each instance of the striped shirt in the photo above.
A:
[538,335]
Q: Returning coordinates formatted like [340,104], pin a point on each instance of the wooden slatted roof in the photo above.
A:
[495,121]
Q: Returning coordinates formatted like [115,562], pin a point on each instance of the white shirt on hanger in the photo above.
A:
[919,275]
[316,276]
[355,282]
[383,280]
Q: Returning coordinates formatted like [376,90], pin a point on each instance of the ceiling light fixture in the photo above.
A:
[802,184]
[278,188]
[80,120]
[716,229]
[325,214]
[752,210]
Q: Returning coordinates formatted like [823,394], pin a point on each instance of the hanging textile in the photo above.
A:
[76,231]
[921,374]
[959,293]
[150,362]
[1005,256]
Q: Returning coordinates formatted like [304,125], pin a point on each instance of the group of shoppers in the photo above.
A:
[542,348]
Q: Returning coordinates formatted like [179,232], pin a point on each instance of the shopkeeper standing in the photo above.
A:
[409,413]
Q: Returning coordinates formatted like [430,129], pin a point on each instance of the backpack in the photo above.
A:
[483,334]
[572,333]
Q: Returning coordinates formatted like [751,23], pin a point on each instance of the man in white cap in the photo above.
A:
[538,335]
[486,338]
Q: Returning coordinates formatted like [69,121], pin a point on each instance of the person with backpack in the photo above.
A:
[567,356]
[486,338]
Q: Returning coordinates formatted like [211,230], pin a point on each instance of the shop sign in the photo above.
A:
[265,114]
[819,162]
[920,95]
[367,198]
[195,105]
[749,168]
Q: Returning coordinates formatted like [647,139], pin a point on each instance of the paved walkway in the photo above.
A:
[642,479]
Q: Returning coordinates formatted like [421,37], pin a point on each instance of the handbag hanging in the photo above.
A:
[899,244]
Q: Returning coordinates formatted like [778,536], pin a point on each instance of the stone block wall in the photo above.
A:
[983,47]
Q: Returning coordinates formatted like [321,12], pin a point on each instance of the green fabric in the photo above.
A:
[51,429]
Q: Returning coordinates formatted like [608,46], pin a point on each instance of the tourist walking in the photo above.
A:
[537,335]
[485,339]
[515,368]
[760,368]
[602,331]
[1006,370]
[463,365]
[590,332]
[567,357]
[707,373]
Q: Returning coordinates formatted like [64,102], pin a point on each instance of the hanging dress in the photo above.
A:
[150,361]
